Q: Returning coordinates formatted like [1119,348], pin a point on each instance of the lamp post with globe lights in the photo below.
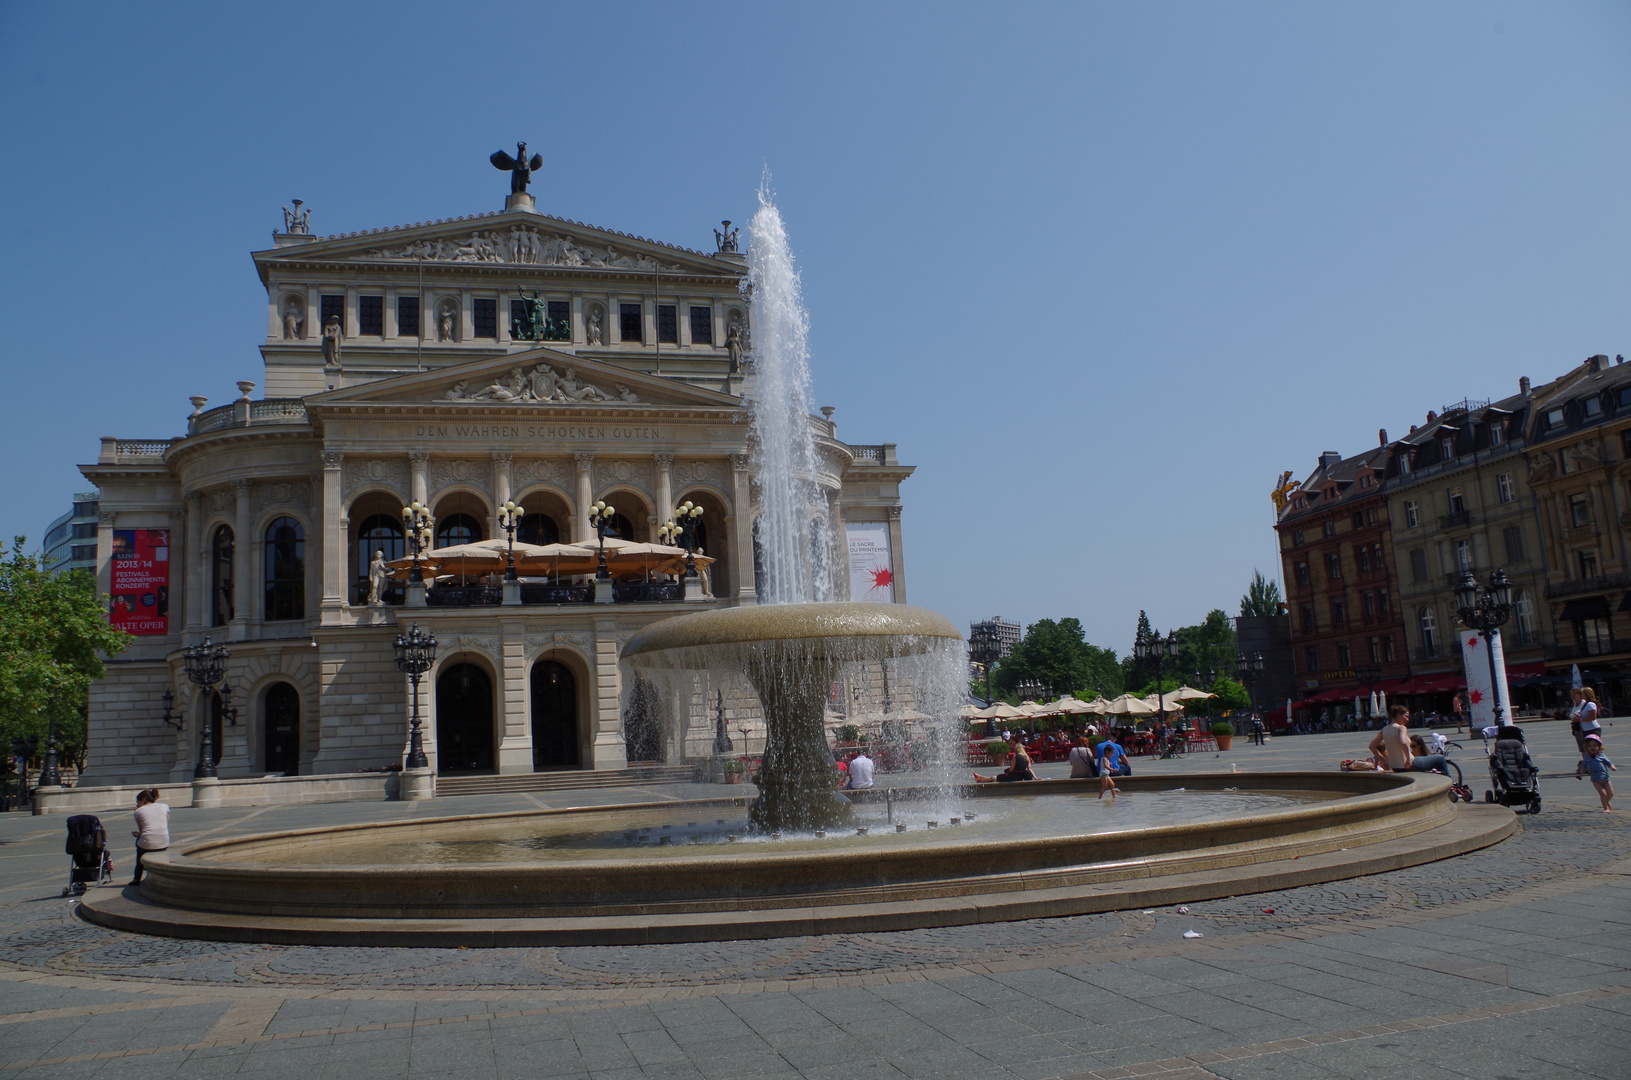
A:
[1485,611]
[417,524]
[206,665]
[1153,649]
[509,519]
[603,517]
[415,653]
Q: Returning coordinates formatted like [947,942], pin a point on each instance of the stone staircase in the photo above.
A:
[633,776]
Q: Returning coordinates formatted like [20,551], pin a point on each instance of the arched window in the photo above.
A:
[1429,632]
[1524,609]
[221,577]
[457,529]
[538,529]
[622,528]
[379,532]
[285,570]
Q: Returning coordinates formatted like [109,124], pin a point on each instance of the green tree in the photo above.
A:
[1230,695]
[1206,647]
[1057,654]
[1262,597]
[53,632]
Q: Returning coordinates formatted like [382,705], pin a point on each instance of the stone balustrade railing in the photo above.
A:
[244,413]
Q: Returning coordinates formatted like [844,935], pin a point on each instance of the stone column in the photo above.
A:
[896,554]
[243,561]
[503,461]
[742,533]
[515,722]
[418,487]
[104,551]
[197,564]
[606,750]
[585,495]
[665,487]
[333,530]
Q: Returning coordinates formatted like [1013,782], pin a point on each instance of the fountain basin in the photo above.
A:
[237,889]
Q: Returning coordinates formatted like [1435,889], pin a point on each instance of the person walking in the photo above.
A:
[1595,765]
[152,831]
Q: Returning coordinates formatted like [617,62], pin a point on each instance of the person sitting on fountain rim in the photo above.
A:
[1391,747]
[1019,768]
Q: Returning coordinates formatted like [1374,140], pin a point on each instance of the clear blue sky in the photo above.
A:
[1100,270]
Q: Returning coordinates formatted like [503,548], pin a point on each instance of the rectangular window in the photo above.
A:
[407,316]
[1463,555]
[1330,528]
[1497,434]
[1358,520]
[559,326]
[631,326]
[484,316]
[1376,562]
[1381,602]
[1458,506]
[1333,567]
[371,316]
[1418,566]
[518,319]
[1593,406]
[1554,419]
[1296,538]
[1625,436]
[1447,449]
[333,308]
[1367,602]
[1343,659]
[668,324]
[1376,650]
[1411,518]
[1593,635]
[1306,612]
[1513,535]
[1362,557]
[85,530]
[1579,510]
[1311,659]
[1588,564]
[1302,573]
[702,326]
[1387,649]
[1503,487]
[1372,516]
[1339,612]
[1404,464]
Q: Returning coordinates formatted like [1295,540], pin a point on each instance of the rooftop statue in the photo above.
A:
[519,167]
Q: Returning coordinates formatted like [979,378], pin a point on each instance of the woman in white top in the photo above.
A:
[1583,717]
[152,831]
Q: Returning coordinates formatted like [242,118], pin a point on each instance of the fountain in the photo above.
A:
[799,859]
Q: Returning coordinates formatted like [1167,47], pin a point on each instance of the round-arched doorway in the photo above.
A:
[464,720]
[554,717]
[281,730]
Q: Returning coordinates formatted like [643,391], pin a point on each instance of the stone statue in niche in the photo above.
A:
[376,579]
[294,323]
[734,344]
[594,326]
[727,239]
[331,341]
[445,323]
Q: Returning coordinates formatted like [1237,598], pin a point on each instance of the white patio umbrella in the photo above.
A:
[1073,706]
[1359,709]
[1375,706]
[1381,697]
[1128,705]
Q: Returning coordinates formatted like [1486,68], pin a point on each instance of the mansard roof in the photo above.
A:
[509,239]
[543,381]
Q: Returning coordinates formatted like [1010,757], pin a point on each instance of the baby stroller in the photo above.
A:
[1513,773]
[87,847]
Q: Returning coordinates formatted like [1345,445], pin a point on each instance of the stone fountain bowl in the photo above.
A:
[847,630]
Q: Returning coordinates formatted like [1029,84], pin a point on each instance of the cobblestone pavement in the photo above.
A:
[1508,962]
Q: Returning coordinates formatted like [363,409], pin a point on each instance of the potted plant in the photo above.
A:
[997,751]
[1224,733]
[849,733]
[734,771]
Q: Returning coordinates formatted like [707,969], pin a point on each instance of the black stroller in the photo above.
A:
[1513,773]
[87,847]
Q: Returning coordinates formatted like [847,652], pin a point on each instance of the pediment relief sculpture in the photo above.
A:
[526,247]
[543,384]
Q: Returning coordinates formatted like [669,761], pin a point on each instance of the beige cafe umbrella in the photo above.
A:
[1000,711]
[1070,705]
[1128,705]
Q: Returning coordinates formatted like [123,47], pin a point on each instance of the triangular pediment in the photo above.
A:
[513,238]
[538,379]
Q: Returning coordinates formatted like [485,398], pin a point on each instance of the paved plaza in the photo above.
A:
[1510,962]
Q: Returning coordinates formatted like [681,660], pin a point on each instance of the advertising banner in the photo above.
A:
[871,569]
[141,581]
[1480,694]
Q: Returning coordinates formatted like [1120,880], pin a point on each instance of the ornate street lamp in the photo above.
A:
[682,530]
[1486,612]
[509,519]
[1248,670]
[415,652]
[985,649]
[206,666]
[49,777]
[1154,649]
[601,517]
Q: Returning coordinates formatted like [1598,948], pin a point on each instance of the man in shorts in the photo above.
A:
[1391,747]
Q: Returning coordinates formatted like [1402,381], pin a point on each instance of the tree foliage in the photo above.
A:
[1058,655]
[1262,597]
[1209,646]
[53,630]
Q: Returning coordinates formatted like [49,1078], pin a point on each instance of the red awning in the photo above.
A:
[1430,684]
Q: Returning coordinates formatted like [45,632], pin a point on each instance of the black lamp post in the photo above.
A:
[601,517]
[722,736]
[509,519]
[206,666]
[415,652]
[1154,649]
[1486,611]
[984,649]
[682,529]
[1248,670]
[49,776]
[417,523]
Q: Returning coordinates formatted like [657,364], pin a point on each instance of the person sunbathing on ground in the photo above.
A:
[1019,768]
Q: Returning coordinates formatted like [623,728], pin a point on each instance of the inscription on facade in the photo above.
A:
[561,432]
